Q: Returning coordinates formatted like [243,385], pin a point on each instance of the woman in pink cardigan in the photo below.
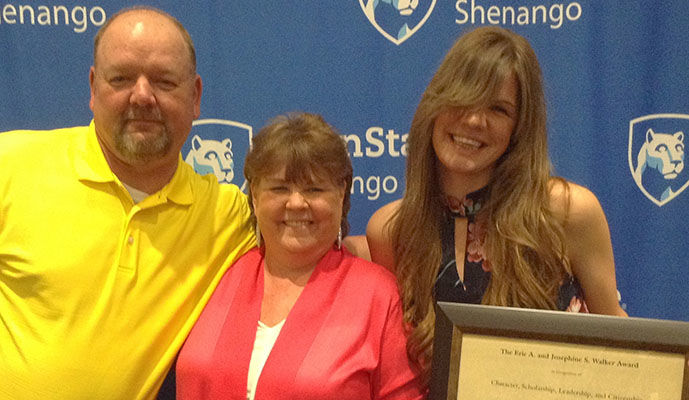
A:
[300,317]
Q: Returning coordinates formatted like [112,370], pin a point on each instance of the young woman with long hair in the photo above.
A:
[479,186]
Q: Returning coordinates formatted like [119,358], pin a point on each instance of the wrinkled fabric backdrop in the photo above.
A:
[615,74]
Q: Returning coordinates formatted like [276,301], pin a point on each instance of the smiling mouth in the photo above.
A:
[466,142]
[297,224]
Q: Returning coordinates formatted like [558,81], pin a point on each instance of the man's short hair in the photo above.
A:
[180,27]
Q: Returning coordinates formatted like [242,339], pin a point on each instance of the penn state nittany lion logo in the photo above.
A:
[212,157]
[397,20]
[659,167]
[219,147]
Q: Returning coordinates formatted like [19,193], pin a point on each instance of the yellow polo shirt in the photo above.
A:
[97,294]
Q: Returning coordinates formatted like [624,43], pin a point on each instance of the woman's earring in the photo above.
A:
[258,235]
[339,239]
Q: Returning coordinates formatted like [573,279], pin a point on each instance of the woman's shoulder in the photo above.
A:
[369,269]
[574,203]
[378,234]
[383,215]
[251,256]
[249,260]
[580,213]
[560,188]
[370,274]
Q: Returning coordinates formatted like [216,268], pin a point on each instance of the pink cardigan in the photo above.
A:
[343,339]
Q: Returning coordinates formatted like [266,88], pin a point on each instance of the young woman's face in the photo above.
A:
[470,141]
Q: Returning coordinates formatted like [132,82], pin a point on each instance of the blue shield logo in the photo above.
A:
[656,155]
[397,20]
[219,147]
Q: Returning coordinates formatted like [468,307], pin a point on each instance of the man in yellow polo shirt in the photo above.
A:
[110,244]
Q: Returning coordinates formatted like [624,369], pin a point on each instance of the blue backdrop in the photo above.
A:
[616,78]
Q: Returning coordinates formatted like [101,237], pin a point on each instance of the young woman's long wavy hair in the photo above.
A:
[524,242]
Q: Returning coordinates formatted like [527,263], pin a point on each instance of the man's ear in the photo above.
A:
[198,89]
[92,78]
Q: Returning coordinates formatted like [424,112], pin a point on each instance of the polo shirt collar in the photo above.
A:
[89,161]
[90,165]
[178,190]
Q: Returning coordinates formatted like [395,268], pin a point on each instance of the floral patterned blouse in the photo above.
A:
[449,287]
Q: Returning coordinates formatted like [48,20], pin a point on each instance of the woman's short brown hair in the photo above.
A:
[308,148]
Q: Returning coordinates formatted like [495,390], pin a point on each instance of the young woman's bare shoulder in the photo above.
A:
[588,243]
[578,207]
[382,217]
[378,234]
[573,202]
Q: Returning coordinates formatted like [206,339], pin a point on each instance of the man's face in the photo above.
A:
[144,91]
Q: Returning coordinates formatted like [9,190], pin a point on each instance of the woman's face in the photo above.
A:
[468,142]
[297,218]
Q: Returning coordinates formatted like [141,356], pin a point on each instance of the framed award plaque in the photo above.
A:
[491,353]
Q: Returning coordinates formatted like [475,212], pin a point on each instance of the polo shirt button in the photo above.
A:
[130,240]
